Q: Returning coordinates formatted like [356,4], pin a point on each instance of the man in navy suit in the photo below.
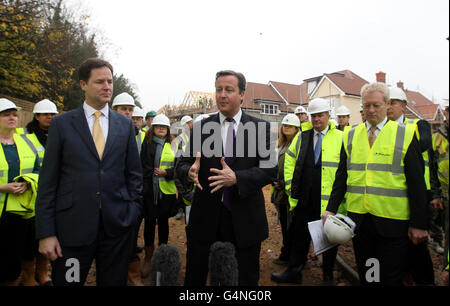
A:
[228,203]
[89,190]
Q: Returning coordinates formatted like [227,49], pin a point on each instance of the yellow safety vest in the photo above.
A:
[441,148]
[24,204]
[27,160]
[331,149]
[33,142]
[376,182]
[167,161]
[144,129]
[139,140]
[425,156]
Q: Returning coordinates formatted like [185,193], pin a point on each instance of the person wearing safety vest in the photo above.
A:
[302,115]
[381,177]
[314,169]
[441,167]
[17,159]
[160,203]
[343,116]
[138,120]
[290,127]
[35,265]
[148,120]
[124,104]
[420,263]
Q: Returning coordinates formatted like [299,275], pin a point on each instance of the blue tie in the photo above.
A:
[318,148]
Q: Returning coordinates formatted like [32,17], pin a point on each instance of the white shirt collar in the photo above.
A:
[401,119]
[237,117]
[89,110]
[379,125]
[324,132]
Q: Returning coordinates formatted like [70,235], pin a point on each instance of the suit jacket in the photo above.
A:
[74,183]
[247,200]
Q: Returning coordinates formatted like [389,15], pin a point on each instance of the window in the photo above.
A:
[270,109]
[311,86]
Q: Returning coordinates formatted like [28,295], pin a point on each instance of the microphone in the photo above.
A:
[223,265]
[165,266]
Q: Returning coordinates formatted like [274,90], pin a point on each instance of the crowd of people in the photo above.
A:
[78,186]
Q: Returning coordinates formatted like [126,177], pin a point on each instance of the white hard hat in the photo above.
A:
[185,120]
[339,228]
[291,119]
[342,111]
[45,107]
[318,105]
[161,119]
[6,104]
[299,110]
[123,99]
[396,93]
[201,117]
[138,112]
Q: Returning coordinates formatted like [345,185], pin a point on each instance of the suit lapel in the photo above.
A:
[80,125]
[114,127]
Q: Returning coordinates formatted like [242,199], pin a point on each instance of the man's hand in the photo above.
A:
[417,235]
[159,172]
[224,178]
[50,248]
[325,215]
[193,171]
[437,204]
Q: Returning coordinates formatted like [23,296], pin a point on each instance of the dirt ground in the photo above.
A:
[270,250]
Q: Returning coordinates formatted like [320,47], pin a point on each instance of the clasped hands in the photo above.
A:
[223,178]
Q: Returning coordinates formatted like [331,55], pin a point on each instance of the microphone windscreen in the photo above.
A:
[165,266]
[223,265]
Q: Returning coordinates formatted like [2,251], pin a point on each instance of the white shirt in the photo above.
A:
[225,124]
[89,112]
[379,126]
[401,119]
[316,133]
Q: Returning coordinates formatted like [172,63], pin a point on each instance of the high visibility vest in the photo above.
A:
[24,204]
[440,147]
[331,149]
[139,140]
[347,128]
[376,182]
[27,160]
[144,129]
[425,156]
[167,161]
[33,142]
[185,138]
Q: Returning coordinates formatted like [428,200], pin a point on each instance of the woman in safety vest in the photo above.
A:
[17,158]
[290,126]
[160,202]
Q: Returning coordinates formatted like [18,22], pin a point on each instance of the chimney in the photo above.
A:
[400,85]
[381,77]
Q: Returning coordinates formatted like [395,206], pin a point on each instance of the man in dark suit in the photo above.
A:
[90,187]
[228,202]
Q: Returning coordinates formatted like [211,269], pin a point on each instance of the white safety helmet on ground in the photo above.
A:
[138,112]
[123,99]
[342,111]
[339,228]
[396,93]
[318,105]
[291,119]
[161,119]
[6,104]
[201,117]
[45,107]
[185,120]
[300,110]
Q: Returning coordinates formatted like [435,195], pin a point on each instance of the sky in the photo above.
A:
[168,48]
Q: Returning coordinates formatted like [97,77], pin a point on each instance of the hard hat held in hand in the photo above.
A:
[161,119]
[123,99]
[396,93]
[45,107]
[342,111]
[339,228]
[291,119]
[318,105]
